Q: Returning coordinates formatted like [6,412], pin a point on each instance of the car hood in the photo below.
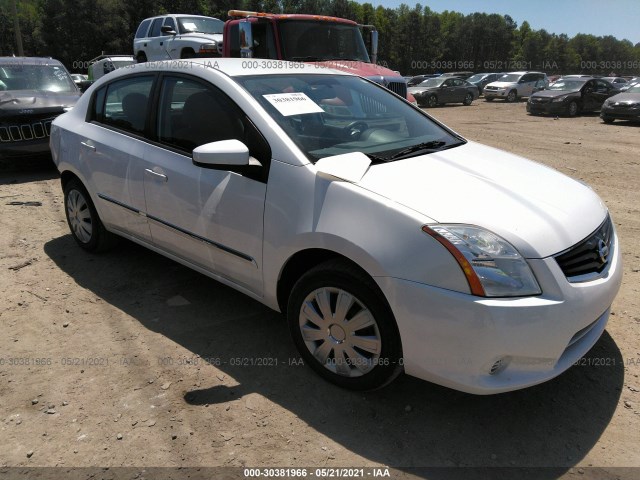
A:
[17,101]
[536,208]
[554,93]
[502,84]
[625,97]
[206,37]
[369,70]
[421,89]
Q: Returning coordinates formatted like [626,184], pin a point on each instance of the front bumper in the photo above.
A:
[25,138]
[495,93]
[456,340]
[625,113]
[548,108]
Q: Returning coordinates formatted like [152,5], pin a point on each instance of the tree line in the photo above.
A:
[412,40]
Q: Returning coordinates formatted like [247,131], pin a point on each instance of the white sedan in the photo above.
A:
[390,242]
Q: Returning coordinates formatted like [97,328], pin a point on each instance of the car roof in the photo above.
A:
[233,67]
[29,61]
[179,15]
[575,79]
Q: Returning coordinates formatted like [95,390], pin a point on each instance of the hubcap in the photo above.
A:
[79,216]
[573,109]
[340,332]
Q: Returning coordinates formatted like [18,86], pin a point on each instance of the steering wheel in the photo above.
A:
[355,129]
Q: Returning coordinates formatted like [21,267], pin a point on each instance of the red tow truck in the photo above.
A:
[327,41]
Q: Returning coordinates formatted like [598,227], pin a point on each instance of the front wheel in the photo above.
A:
[85,224]
[141,57]
[512,96]
[572,109]
[343,328]
[608,119]
[468,99]
[432,101]
[187,53]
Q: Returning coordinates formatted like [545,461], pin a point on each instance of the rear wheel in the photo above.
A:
[512,96]
[468,99]
[85,224]
[343,328]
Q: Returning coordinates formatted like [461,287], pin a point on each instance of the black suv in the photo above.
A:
[33,91]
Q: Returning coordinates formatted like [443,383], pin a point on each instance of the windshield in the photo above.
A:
[304,40]
[566,85]
[432,82]
[200,25]
[475,78]
[331,115]
[510,77]
[634,89]
[51,78]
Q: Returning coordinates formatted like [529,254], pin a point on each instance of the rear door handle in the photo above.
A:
[160,176]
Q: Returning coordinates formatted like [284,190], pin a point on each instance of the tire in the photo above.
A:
[187,53]
[362,356]
[608,120]
[512,96]
[572,109]
[432,101]
[467,99]
[83,220]
[141,57]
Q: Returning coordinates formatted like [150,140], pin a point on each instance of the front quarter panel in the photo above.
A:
[305,211]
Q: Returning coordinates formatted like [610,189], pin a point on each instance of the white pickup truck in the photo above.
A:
[178,36]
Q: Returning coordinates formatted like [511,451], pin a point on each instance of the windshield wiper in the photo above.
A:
[432,146]
[376,158]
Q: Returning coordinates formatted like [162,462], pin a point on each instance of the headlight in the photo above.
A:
[209,47]
[492,266]
[607,102]
[559,99]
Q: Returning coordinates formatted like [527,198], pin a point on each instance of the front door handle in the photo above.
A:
[88,145]
[160,176]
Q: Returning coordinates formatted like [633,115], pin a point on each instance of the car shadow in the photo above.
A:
[414,426]
[24,170]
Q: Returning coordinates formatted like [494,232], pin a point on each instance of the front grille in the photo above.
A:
[540,100]
[590,256]
[488,87]
[371,106]
[26,131]
[625,105]
[398,88]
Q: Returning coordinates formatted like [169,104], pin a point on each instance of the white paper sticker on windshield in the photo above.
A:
[190,26]
[296,103]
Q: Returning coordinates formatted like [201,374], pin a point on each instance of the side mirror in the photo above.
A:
[168,30]
[221,154]
[245,39]
[373,54]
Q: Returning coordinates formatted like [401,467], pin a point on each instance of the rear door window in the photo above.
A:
[124,104]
